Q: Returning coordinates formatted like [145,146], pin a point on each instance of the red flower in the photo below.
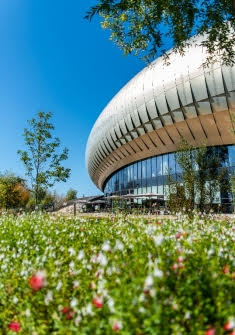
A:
[65,310]
[225,269]
[98,303]
[14,326]
[68,313]
[37,281]
[210,331]
[158,222]
[233,333]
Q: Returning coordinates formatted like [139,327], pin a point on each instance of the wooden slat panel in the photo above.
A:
[185,132]
[197,130]
[210,128]
[224,123]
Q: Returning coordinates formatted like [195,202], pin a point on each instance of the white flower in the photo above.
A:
[71,265]
[110,303]
[59,285]
[157,273]
[149,281]
[158,239]
[187,315]
[75,283]
[102,259]
[119,245]
[106,246]
[73,302]
[71,251]
[77,320]
[48,297]
[27,312]
[15,300]
[81,255]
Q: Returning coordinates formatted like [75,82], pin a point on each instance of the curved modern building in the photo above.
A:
[130,148]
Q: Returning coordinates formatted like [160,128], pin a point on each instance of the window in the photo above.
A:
[159,166]
[165,164]
[231,153]
[149,172]
[144,175]
[171,163]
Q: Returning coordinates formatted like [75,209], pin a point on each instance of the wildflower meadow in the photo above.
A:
[116,275]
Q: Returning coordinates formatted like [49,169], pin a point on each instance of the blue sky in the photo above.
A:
[51,59]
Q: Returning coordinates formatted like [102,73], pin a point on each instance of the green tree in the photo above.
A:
[147,27]
[41,158]
[202,177]
[71,194]
[13,191]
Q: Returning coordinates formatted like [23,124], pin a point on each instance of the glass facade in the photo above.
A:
[151,175]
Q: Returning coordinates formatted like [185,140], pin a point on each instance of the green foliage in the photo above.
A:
[145,27]
[71,194]
[13,192]
[41,159]
[170,278]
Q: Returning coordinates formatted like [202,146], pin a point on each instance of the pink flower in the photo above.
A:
[181,265]
[37,281]
[229,325]
[210,331]
[14,326]
[178,235]
[97,302]
[174,267]
[117,325]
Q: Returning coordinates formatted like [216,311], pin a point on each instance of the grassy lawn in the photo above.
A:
[117,275]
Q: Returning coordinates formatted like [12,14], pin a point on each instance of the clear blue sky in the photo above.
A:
[51,59]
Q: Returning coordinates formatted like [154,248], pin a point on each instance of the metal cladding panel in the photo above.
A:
[161,104]
[178,116]
[139,90]
[148,83]
[229,77]
[172,97]
[167,120]
[157,123]
[117,131]
[143,114]
[185,93]
[151,108]
[148,126]
[135,118]
[198,85]
[129,122]
[231,99]
[123,126]
[214,82]
[204,107]
[219,104]
[190,112]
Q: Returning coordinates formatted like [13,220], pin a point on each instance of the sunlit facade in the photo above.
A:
[131,146]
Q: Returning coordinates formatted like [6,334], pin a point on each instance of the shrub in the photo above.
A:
[126,276]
